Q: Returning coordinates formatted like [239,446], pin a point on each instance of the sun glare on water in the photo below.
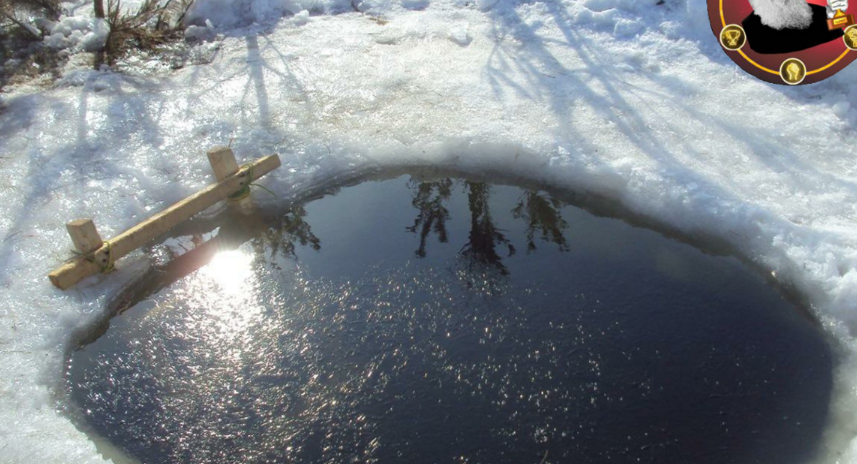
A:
[225,294]
[230,270]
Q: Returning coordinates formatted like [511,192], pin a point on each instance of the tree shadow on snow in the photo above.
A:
[533,72]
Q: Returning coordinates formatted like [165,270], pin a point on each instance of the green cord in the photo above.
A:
[91,257]
[245,191]
[241,194]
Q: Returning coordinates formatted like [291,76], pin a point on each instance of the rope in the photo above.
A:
[109,266]
[245,191]
[91,257]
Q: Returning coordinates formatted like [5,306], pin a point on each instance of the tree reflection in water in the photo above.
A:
[429,199]
[283,240]
[541,215]
[484,236]
[486,244]
[486,247]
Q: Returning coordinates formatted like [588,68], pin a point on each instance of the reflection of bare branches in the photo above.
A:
[429,199]
[541,215]
[292,231]
[484,236]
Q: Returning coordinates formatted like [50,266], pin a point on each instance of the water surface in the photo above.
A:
[441,320]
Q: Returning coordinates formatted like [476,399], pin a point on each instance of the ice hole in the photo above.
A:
[438,318]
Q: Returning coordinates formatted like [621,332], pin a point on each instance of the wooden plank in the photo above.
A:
[84,235]
[78,269]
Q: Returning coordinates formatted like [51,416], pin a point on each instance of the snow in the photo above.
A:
[458,34]
[485,5]
[78,33]
[622,98]
[205,32]
[232,13]
[301,18]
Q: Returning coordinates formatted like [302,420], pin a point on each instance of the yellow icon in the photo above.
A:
[793,71]
[732,37]
[850,37]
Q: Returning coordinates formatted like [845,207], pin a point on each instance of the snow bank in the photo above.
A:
[232,13]
[623,98]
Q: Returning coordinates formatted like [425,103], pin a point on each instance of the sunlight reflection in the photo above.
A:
[231,271]
[225,291]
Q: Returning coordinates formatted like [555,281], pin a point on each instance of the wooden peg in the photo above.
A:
[84,235]
[223,162]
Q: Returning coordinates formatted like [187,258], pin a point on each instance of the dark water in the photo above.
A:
[448,321]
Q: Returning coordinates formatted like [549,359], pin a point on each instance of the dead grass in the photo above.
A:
[154,29]
[24,59]
[152,26]
[43,8]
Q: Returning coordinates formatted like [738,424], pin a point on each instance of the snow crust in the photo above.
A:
[624,98]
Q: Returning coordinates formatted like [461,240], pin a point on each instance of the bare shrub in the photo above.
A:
[11,12]
[44,8]
[152,25]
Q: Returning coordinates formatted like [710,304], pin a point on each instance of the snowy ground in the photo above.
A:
[621,97]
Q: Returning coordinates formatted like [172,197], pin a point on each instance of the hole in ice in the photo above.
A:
[445,319]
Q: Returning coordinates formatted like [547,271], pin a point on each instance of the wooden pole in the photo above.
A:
[79,268]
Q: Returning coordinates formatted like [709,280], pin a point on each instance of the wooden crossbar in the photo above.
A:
[95,261]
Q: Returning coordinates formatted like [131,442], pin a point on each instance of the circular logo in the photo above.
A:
[732,37]
[787,42]
[850,37]
[793,71]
